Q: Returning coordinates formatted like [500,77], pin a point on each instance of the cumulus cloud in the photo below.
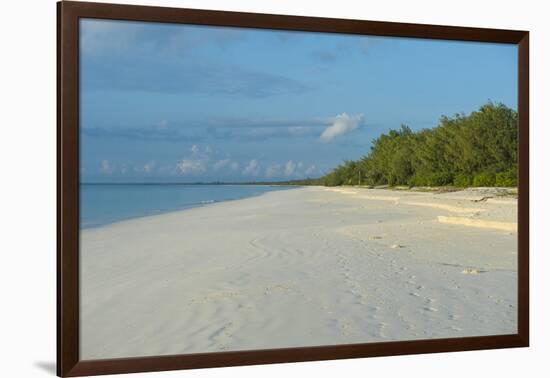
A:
[273,170]
[205,152]
[149,167]
[341,125]
[106,167]
[252,169]
[225,164]
[290,168]
[186,166]
[208,159]
[197,162]
[124,169]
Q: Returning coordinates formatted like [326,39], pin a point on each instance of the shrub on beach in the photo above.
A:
[440,179]
[478,149]
[484,179]
[507,179]
[462,180]
[418,181]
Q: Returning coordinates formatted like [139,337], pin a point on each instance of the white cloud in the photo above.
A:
[198,161]
[273,170]
[252,168]
[342,124]
[124,169]
[226,164]
[290,168]
[106,167]
[204,152]
[149,167]
[186,166]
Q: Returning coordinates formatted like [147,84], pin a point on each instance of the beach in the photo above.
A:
[301,267]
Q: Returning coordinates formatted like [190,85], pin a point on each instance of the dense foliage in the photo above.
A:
[475,150]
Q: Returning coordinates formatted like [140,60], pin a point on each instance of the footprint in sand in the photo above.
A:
[381,328]
[344,327]
[222,336]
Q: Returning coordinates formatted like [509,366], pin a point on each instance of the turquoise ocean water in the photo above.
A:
[102,204]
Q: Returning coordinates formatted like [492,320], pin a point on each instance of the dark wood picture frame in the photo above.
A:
[69,13]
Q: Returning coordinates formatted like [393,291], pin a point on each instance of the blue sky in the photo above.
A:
[182,103]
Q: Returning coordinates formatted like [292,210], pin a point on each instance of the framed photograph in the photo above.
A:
[238,188]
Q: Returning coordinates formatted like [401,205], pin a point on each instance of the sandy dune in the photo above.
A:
[307,266]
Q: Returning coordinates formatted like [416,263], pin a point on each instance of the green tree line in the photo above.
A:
[479,149]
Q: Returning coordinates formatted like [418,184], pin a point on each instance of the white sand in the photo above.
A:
[302,267]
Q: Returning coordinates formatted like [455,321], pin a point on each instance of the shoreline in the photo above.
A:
[509,193]
[154,213]
[304,267]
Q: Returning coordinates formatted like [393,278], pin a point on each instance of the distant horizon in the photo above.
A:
[193,183]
